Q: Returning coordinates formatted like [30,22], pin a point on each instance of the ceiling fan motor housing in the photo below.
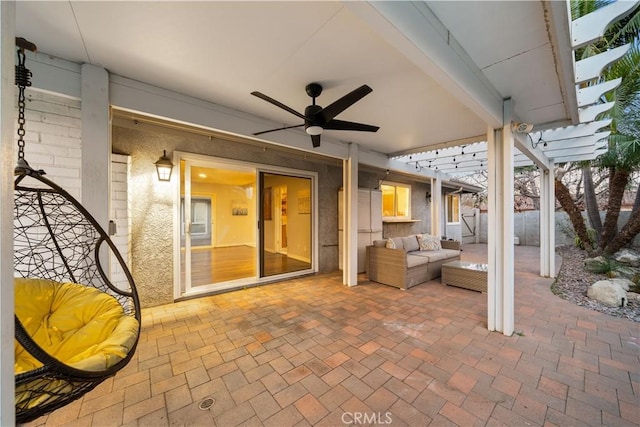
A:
[313,122]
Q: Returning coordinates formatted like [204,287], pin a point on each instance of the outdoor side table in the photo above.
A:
[466,275]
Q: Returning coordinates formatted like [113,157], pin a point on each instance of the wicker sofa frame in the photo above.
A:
[391,267]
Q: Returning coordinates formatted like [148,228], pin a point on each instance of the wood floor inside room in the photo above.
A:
[216,265]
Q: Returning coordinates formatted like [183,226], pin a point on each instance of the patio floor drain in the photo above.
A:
[207,403]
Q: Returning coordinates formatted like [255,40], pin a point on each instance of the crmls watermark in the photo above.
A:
[365,418]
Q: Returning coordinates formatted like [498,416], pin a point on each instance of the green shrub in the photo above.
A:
[608,267]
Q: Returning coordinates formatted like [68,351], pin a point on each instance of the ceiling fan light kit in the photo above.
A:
[317,119]
[314,130]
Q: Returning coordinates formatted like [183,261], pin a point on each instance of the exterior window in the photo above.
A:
[396,201]
[453,208]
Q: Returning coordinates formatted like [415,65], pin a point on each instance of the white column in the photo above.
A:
[547,223]
[96,143]
[350,218]
[436,205]
[7,160]
[494,275]
[500,290]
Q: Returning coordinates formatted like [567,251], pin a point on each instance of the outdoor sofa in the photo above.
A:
[404,262]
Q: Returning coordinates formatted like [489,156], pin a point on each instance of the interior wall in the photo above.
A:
[152,201]
[298,224]
[230,230]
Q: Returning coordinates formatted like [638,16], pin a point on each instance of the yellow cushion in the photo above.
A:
[78,325]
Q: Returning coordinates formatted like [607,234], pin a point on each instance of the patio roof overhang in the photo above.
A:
[546,144]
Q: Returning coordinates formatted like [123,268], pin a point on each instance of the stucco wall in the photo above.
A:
[152,204]
[420,205]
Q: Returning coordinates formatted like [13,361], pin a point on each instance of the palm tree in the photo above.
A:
[623,156]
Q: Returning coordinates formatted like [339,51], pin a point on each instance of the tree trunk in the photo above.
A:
[636,204]
[575,216]
[626,234]
[590,201]
[617,183]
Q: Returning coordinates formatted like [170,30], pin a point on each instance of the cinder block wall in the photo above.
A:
[526,226]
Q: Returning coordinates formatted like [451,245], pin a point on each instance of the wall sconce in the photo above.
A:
[164,167]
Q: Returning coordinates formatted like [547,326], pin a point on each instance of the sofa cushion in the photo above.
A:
[390,244]
[397,241]
[427,242]
[414,260]
[441,254]
[410,243]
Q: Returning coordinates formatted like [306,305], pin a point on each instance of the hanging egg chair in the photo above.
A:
[74,327]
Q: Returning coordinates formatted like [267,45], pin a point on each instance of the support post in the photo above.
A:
[96,143]
[500,290]
[7,160]
[436,205]
[547,223]
[350,217]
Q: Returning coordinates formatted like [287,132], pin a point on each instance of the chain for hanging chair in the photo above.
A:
[23,80]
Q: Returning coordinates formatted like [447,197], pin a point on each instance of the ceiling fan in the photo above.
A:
[317,119]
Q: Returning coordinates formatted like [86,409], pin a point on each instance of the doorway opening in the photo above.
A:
[239,225]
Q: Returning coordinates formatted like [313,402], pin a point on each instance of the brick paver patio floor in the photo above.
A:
[310,351]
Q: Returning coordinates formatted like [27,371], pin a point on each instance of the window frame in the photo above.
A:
[396,185]
[448,197]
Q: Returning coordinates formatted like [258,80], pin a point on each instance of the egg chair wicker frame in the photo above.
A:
[56,238]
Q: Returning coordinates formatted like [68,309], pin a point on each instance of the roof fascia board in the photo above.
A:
[559,20]
[54,75]
[415,31]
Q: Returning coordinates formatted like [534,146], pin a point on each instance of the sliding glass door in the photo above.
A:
[240,225]
[217,226]
[286,224]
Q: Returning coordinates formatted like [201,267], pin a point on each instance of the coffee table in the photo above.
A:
[466,275]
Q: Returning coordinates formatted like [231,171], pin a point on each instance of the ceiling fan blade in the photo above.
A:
[282,128]
[277,103]
[315,141]
[343,125]
[332,110]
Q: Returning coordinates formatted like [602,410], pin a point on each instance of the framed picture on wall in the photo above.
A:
[304,202]
[266,203]
[239,208]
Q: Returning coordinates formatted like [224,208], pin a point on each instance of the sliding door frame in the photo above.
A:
[259,168]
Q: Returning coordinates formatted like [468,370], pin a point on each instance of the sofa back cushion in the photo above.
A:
[427,242]
[410,243]
[395,243]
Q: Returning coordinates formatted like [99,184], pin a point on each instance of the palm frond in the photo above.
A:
[624,31]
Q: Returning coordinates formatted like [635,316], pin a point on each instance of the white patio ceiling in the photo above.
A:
[439,70]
